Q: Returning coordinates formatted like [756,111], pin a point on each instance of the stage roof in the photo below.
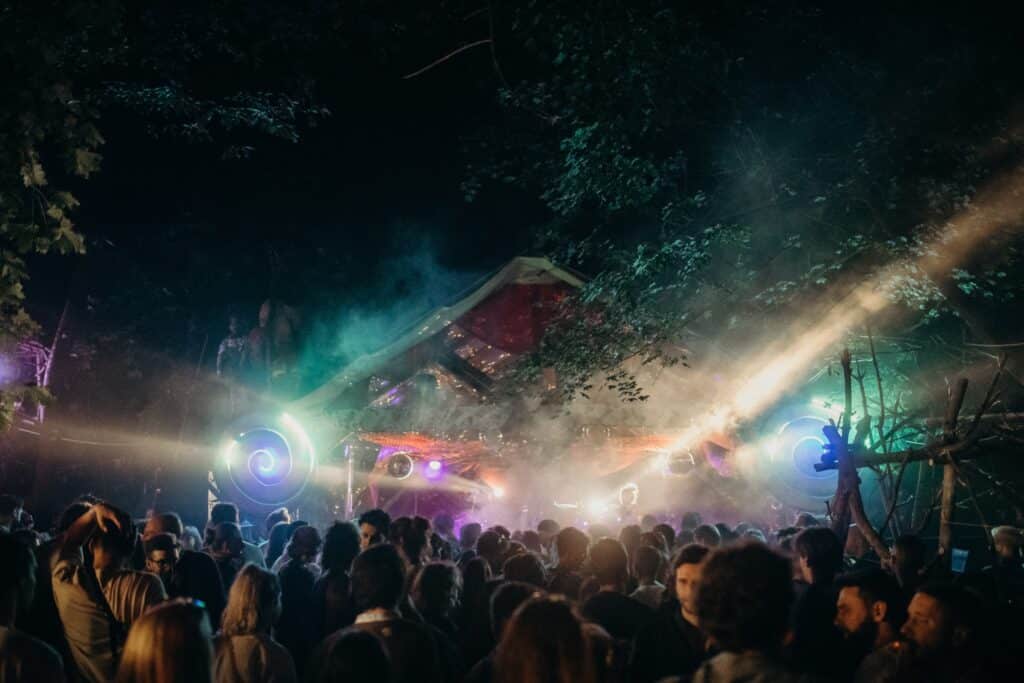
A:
[520,271]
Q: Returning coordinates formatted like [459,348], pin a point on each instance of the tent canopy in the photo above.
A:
[500,310]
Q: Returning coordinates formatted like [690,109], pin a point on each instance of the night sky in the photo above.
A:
[366,205]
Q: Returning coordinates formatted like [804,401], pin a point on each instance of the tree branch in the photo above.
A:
[445,58]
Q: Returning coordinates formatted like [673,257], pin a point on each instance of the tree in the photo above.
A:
[223,72]
[720,166]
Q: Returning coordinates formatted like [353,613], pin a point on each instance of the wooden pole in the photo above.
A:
[956,400]
[946,510]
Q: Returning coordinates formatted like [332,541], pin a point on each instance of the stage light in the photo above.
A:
[433,469]
[400,466]
[267,460]
[498,492]
[597,506]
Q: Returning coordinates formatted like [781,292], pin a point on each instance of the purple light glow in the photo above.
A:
[433,469]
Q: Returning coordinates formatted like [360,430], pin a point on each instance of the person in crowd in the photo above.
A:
[22,657]
[707,535]
[743,601]
[415,541]
[514,548]
[531,540]
[244,649]
[353,656]
[805,520]
[648,522]
[303,546]
[331,590]
[43,621]
[1005,576]
[276,541]
[599,531]
[162,556]
[690,521]
[668,533]
[444,532]
[526,568]
[228,513]
[378,584]
[617,613]
[685,537]
[171,643]
[477,588]
[648,564]
[469,534]
[816,640]
[476,574]
[548,529]
[629,537]
[653,540]
[226,549]
[397,529]
[672,643]
[492,546]
[727,534]
[788,532]
[909,562]
[10,512]
[193,574]
[373,528]
[544,642]
[943,629]
[571,545]
[505,601]
[870,609]
[436,592]
[273,518]
[100,600]
[298,627]
[191,539]
[605,654]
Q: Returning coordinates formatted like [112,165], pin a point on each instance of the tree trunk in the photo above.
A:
[946,511]
[956,400]
[41,409]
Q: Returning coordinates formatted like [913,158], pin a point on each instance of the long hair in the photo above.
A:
[254,603]
[169,644]
[545,642]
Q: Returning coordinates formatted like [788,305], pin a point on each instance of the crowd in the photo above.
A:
[408,600]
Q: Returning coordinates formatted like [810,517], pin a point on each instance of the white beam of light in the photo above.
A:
[758,382]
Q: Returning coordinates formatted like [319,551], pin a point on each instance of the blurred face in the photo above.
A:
[927,626]
[154,525]
[687,578]
[161,563]
[852,613]
[367,536]
[1007,551]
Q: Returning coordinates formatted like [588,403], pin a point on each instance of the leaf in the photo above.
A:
[86,162]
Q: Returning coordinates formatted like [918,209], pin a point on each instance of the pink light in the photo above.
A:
[434,465]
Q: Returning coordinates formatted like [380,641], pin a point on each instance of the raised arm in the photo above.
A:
[105,517]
